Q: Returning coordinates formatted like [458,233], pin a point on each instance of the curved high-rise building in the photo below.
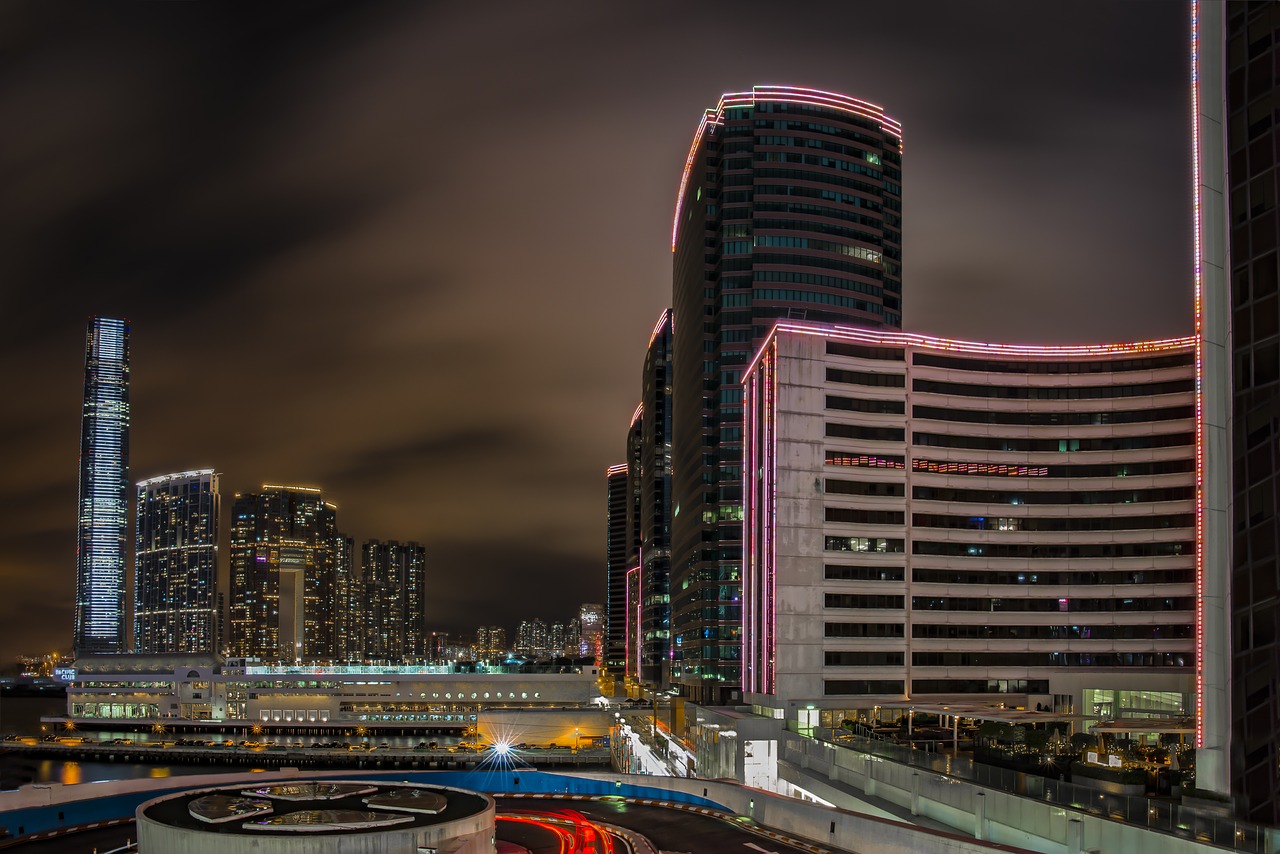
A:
[790,206]
[103,512]
[932,521]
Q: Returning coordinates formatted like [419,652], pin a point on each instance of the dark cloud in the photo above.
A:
[411,253]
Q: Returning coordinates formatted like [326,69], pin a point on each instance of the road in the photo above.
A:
[670,830]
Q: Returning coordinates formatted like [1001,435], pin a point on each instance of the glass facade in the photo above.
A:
[1253,51]
[101,552]
[393,592]
[616,563]
[655,509]
[790,207]
[285,553]
[176,568]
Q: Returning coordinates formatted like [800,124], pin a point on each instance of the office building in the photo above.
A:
[103,511]
[392,583]
[950,523]
[285,552]
[790,206]
[175,587]
[1252,47]
[617,561]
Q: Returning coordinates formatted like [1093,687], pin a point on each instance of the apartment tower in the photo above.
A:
[285,549]
[175,587]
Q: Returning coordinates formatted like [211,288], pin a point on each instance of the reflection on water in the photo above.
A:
[17,771]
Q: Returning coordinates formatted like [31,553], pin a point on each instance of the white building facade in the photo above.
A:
[938,521]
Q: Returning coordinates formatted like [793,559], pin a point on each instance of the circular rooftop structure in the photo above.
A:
[322,816]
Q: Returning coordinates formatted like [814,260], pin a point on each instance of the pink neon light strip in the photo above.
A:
[778,94]
[618,469]
[657,327]
[638,414]
[632,626]
[749,562]
[1199,345]
[882,338]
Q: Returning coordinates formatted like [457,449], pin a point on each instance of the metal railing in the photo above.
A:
[1163,815]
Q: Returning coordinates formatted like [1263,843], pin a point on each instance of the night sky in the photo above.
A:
[411,253]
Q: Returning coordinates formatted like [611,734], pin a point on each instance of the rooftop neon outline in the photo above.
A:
[713,118]
[882,338]
[657,327]
[182,475]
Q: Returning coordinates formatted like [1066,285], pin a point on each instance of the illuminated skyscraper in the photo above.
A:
[393,592]
[176,568]
[654,523]
[617,561]
[790,206]
[591,626]
[285,549]
[104,490]
[1252,44]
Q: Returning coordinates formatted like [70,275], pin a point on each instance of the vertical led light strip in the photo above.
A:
[639,571]
[768,517]
[749,528]
[1199,385]
[1213,400]
[630,627]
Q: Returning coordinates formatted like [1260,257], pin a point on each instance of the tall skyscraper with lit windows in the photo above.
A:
[285,552]
[392,578]
[617,561]
[1252,49]
[790,206]
[653,473]
[103,512]
[175,584]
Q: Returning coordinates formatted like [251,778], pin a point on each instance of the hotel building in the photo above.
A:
[103,512]
[944,522]
[285,549]
[175,587]
[790,206]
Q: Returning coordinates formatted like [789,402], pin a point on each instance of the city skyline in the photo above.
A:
[336,286]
